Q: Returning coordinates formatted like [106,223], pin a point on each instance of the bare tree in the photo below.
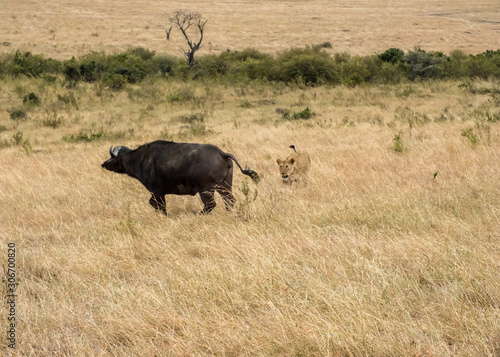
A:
[191,26]
[168,33]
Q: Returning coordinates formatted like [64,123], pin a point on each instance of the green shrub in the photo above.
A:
[114,81]
[306,66]
[246,54]
[255,69]
[132,74]
[471,135]
[85,136]
[91,71]
[249,198]
[212,66]
[141,52]
[303,114]
[31,99]
[392,55]
[96,66]
[342,57]
[397,143]
[71,72]
[353,79]
[89,68]
[358,70]
[389,73]
[166,65]
[455,67]
[236,66]
[172,98]
[28,65]
[18,114]
[18,139]
[421,64]
[481,66]
[133,68]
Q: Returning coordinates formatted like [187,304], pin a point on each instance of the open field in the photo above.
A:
[392,249]
[62,29]
[374,257]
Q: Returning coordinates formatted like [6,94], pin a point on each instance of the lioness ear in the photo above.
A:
[292,161]
[279,161]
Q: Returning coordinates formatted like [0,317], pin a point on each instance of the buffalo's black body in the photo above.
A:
[165,167]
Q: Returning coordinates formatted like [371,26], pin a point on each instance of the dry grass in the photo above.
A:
[375,257]
[62,29]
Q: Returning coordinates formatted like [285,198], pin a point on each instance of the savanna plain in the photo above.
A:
[391,249]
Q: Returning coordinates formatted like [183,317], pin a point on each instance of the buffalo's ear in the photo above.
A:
[279,161]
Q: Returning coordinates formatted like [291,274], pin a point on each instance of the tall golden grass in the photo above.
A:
[374,257]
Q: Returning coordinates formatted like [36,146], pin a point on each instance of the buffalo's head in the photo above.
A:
[115,162]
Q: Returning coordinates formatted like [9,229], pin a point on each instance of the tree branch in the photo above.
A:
[184,19]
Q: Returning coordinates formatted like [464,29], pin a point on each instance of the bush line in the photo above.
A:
[309,66]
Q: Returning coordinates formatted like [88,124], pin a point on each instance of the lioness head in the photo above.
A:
[287,168]
[295,167]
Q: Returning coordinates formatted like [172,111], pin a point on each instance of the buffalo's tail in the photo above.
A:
[253,175]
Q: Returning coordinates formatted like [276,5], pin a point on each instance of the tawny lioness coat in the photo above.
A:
[295,168]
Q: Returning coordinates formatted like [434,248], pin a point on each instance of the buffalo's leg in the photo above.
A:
[208,200]
[227,197]
[158,202]
[225,189]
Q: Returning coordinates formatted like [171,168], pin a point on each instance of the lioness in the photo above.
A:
[295,167]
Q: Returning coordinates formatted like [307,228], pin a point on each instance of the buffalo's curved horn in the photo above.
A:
[116,150]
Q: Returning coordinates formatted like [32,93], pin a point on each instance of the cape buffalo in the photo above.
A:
[165,167]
